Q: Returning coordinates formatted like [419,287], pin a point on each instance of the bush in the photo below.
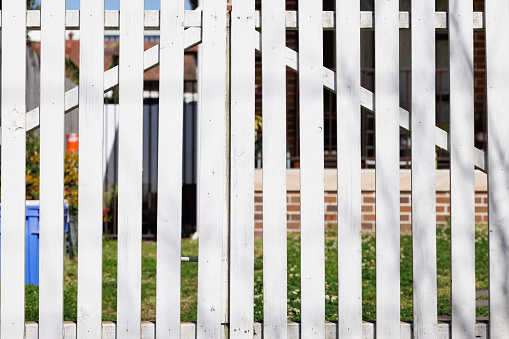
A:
[32,173]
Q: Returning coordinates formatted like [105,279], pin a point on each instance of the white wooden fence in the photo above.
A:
[226,175]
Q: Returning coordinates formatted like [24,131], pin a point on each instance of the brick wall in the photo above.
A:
[368,207]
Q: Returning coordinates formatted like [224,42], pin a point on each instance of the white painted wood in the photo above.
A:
[90,194]
[274,169]
[69,330]
[108,330]
[348,66]
[497,50]
[31,330]
[148,330]
[169,198]
[311,170]
[130,169]
[387,168]
[13,169]
[423,170]
[193,18]
[242,91]
[461,42]
[212,204]
[368,100]
[51,235]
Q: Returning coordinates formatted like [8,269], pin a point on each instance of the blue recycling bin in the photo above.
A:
[32,239]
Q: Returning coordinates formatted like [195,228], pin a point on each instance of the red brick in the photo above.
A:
[332,208]
[478,218]
[443,200]
[440,209]
[442,217]
[331,217]
[481,209]
[293,208]
[404,200]
[404,217]
[294,216]
[369,217]
[258,198]
[330,199]
[369,199]
[367,208]
[295,199]
[485,218]
[367,226]
[258,208]
[403,209]
[258,216]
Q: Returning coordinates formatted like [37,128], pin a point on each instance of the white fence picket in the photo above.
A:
[387,168]
[423,170]
[497,73]
[461,131]
[274,169]
[130,169]
[13,168]
[242,169]
[312,169]
[52,111]
[90,191]
[348,67]
[169,197]
[212,203]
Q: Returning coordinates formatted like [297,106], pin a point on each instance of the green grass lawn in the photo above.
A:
[190,278]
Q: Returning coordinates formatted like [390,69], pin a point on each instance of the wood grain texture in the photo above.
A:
[311,170]
[274,169]
[13,169]
[387,168]
[423,170]
[51,235]
[462,175]
[497,52]
[91,100]
[130,169]
[349,169]
[169,197]
[212,173]
[242,63]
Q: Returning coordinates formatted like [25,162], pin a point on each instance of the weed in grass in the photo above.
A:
[189,278]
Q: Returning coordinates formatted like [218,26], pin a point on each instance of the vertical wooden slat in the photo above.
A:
[462,170]
[349,168]
[311,171]
[52,111]
[242,168]
[274,168]
[13,168]
[423,169]
[497,54]
[387,168]
[212,200]
[130,168]
[169,198]
[90,194]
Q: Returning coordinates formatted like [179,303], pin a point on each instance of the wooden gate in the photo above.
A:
[229,40]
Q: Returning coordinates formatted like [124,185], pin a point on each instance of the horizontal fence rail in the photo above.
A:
[193,18]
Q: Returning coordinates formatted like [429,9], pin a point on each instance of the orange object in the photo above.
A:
[72,142]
